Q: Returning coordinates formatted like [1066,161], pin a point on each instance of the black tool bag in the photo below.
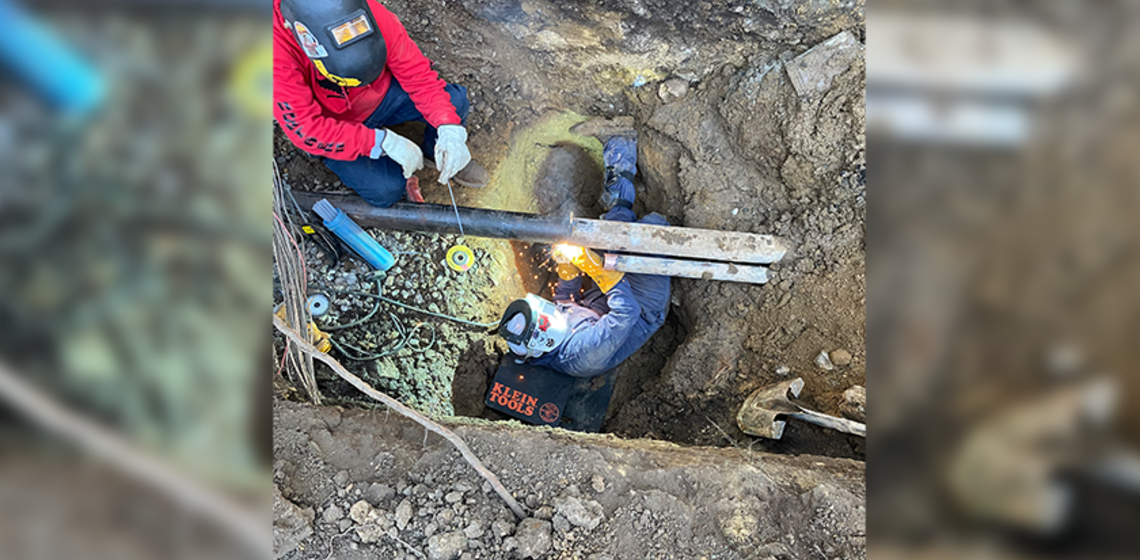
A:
[540,396]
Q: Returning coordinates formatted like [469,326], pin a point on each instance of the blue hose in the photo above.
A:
[37,56]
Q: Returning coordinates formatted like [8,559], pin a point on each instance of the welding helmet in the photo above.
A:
[533,326]
[340,37]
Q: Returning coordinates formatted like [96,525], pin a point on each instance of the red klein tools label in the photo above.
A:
[532,394]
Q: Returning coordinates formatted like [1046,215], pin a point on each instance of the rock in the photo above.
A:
[291,524]
[582,513]
[813,71]
[332,514]
[840,357]
[824,361]
[361,512]
[446,546]
[379,494]
[854,404]
[502,528]
[403,514]
[532,538]
[341,478]
[544,512]
[673,89]
[783,371]
[474,530]
[598,483]
[430,529]
[445,517]
[344,525]
[561,524]
[453,497]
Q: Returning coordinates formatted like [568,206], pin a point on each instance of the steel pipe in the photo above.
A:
[703,270]
[436,218]
[673,241]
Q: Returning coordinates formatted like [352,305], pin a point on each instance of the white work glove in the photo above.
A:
[451,153]
[400,149]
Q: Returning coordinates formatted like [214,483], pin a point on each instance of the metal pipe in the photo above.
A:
[703,270]
[673,241]
[436,218]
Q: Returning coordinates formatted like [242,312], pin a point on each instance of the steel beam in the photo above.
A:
[703,270]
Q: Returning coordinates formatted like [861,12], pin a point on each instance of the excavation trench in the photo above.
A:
[725,142]
[452,367]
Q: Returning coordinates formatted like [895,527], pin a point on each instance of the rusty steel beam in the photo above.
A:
[672,241]
[704,270]
[676,241]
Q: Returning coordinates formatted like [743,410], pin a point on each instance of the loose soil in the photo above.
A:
[372,485]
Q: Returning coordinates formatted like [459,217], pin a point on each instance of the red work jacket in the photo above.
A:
[325,119]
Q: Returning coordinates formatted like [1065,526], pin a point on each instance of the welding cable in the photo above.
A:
[405,337]
[355,323]
[490,325]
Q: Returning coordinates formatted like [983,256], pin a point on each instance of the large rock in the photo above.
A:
[403,514]
[581,513]
[371,523]
[446,546]
[291,524]
[532,538]
[855,404]
[379,494]
[812,72]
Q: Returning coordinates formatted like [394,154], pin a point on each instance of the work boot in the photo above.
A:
[604,129]
[473,176]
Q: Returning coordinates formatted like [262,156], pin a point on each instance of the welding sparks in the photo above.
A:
[569,252]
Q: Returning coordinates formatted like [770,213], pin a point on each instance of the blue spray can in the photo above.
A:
[339,223]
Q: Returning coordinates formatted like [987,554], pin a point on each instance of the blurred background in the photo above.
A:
[134,279]
[1004,319]
[1004,314]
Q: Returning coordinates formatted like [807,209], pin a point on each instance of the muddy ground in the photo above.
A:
[725,143]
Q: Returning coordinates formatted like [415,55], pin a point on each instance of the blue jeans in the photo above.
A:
[652,292]
[381,181]
[620,157]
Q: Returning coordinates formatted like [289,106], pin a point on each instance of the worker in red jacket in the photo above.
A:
[343,70]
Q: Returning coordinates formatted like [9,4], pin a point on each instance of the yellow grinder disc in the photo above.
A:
[460,258]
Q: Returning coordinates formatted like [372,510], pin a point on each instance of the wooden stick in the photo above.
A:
[249,527]
[405,411]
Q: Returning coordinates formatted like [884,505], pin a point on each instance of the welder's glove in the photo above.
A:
[594,266]
[567,271]
[451,153]
[399,149]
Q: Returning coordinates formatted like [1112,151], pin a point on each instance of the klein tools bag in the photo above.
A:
[537,395]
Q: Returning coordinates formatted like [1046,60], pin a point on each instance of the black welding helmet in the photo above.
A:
[340,37]
[533,326]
